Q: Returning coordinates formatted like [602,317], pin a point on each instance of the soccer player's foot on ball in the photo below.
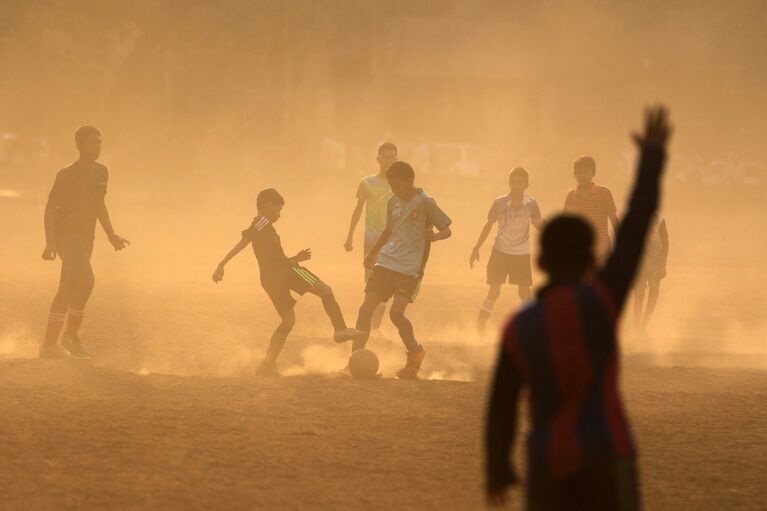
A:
[412,366]
[268,369]
[53,351]
[75,348]
[347,334]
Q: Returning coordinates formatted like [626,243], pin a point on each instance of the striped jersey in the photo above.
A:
[563,347]
[595,203]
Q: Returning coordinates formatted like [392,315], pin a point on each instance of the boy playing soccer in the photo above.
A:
[510,258]
[74,204]
[373,194]
[398,259]
[595,203]
[564,348]
[280,275]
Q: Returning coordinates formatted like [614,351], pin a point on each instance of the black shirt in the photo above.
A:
[272,260]
[79,190]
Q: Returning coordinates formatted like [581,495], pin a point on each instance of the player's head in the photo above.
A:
[567,247]
[88,142]
[269,204]
[401,177]
[387,154]
[519,179]
[584,168]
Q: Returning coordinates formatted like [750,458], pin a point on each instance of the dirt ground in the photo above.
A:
[169,416]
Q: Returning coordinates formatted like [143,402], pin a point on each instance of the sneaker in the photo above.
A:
[348,334]
[412,366]
[75,348]
[268,369]
[53,351]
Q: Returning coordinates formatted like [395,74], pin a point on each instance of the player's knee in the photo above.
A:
[288,321]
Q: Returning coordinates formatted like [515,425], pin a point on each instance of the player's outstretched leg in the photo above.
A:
[333,310]
[269,367]
[493,292]
[415,352]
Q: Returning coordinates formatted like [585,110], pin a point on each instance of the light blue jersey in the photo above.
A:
[407,250]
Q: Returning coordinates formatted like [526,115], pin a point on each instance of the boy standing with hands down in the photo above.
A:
[398,260]
[510,258]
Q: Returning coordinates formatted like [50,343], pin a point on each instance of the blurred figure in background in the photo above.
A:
[564,347]
[652,272]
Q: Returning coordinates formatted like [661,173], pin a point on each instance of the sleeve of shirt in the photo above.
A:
[495,211]
[535,211]
[501,425]
[251,232]
[389,213]
[362,190]
[105,180]
[435,215]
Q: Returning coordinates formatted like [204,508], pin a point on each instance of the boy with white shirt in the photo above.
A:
[510,258]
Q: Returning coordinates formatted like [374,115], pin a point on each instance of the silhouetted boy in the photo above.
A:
[75,203]
[564,348]
[373,194]
[652,271]
[398,260]
[510,258]
[595,203]
[280,275]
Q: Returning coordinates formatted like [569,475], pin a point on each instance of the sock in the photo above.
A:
[484,313]
[55,324]
[74,320]
[334,312]
[406,333]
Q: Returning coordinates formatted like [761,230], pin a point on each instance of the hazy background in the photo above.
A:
[202,104]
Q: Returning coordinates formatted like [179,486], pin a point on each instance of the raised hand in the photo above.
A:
[657,129]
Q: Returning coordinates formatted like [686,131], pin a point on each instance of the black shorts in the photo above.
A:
[610,486]
[386,283]
[516,268]
[297,279]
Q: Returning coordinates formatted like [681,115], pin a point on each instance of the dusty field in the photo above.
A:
[169,416]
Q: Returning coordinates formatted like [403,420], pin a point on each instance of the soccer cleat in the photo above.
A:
[412,366]
[53,351]
[75,348]
[268,369]
[348,334]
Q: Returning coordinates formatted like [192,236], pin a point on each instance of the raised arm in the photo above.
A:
[621,266]
[356,215]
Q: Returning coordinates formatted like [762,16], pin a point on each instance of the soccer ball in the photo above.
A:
[363,364]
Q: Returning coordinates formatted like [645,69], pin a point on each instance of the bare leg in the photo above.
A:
[493,292]
[404,326]
[368,307]
[330,304]
[652,299]
[280,335]
[525,293]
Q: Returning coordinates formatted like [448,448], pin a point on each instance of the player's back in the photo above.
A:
[566,348]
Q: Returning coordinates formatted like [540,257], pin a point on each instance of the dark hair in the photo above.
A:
[401,171]
[387,146]
[520,171]
[268,196]
[567,246]
[83,132]
[586,163]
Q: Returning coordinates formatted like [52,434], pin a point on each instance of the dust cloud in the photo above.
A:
[202,105]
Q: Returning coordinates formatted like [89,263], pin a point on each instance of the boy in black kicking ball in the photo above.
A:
[398,260]
[280,275]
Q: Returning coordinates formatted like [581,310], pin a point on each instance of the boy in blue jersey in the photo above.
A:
[398,260]
[280,275]
[564,348]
